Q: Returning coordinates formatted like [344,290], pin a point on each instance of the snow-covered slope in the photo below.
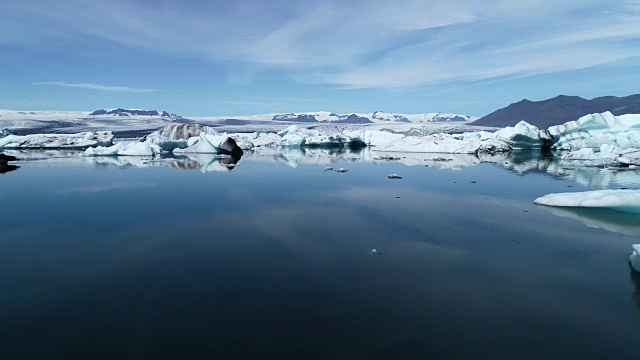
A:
[379,117]
[385,117]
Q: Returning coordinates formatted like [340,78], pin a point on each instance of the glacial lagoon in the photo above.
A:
[270,255]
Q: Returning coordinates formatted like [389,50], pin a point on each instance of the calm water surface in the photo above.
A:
[106,259]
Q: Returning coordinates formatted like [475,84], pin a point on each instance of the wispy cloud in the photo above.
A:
[361,44]
[92,86]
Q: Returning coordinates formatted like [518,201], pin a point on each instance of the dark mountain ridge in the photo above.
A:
[133,112]
[559,110]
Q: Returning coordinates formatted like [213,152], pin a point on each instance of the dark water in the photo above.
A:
[270,261]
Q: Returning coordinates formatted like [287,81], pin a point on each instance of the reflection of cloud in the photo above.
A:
[608,219]
[103,188]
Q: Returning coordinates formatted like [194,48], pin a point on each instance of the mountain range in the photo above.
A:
[559,110]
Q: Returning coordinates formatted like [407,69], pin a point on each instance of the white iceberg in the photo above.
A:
[150,145]
[594,130]
[210,144]
[296,137]
[469,143]
[634,259]
[57,141]
[622,200]
[179,139]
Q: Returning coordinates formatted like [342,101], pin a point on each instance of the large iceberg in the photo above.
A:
[594,130]
[179,139]
[622,200]
[521,136]
[57,141]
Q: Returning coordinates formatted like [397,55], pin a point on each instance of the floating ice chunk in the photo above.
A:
[634,259]
[151,144]
[210,144]
[342,170]
[521,136]
[376,252]
[57,141]
[328,168]
[623,200]
[394,176]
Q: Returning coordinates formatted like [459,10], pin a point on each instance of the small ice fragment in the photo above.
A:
[328,168]
[342,170]
[376,252]
[394,176]
[634,259]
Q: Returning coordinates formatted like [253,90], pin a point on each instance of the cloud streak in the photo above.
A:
[359,44]
[92,86]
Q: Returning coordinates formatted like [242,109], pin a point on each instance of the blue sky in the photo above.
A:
[197,58]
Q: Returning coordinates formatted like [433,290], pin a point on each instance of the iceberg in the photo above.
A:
[149,145]
[622,200]
[634,259]
[296,137]
[594,130]
[77,141]
[179,139]
[210,144]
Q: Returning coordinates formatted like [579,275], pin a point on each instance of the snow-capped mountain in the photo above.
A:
[355,118]
[134,112]
[381,116]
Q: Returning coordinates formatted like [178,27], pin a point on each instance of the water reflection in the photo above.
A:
[521,162]
[5,167]
[608,219]
[635,279]
[202,162]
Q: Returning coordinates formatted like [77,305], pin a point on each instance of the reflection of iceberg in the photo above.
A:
[5,167]
[203,162]
[607,219]
[635,279]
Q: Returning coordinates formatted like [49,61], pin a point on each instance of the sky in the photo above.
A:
[213,58]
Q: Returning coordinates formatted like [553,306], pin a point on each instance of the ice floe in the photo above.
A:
[57,141]
[622,200]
